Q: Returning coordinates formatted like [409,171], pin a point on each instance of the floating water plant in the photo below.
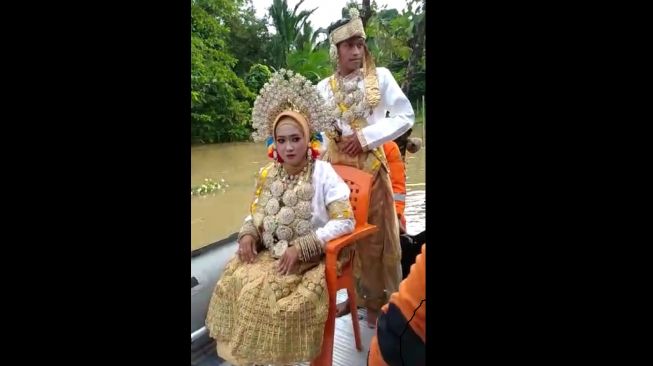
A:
[209,186]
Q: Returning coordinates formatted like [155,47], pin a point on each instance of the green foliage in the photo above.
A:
[257,76]
[314,65]
[248,39]
[233,55]
[389,37]
[209,186]
[220,101]
[307,37]
[287,25]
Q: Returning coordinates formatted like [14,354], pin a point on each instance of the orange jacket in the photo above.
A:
[397,177]
[411,296]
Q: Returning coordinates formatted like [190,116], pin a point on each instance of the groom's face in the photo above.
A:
[350,52]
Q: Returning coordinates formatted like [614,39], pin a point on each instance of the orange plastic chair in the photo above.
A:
[360,184]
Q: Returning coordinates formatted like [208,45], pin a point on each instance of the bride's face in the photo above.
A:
[290,142]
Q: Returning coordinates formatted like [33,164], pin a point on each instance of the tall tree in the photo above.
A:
[397,42]
[248,37]
[288,27]
[416,43]
[220,101]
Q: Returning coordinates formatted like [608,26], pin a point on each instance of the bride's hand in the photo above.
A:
[247,249]
[288,260]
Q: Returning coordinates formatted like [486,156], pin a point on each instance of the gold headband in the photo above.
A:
[354,28]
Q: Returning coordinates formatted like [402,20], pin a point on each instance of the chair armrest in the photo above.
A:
[334,246]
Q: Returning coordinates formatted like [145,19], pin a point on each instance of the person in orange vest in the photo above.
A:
[398,180]
[410,245]
[401,326]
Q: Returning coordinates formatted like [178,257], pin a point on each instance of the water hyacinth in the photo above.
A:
[209,186]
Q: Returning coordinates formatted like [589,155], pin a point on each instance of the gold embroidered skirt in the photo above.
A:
[377,263]
[258,316]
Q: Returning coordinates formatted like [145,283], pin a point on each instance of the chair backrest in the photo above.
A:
[360,187]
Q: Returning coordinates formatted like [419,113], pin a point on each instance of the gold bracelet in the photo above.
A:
[309,247]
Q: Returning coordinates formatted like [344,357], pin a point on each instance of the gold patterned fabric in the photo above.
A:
[248,229]
[259,316]
[372,91]
[340,210]
[377,261]
[353,28]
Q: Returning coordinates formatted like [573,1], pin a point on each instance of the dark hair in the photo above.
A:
[337,24]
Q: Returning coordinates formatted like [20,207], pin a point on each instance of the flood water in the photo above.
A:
[219,214]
